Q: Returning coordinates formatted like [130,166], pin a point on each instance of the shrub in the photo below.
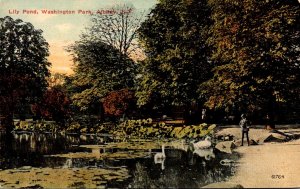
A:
[146,129]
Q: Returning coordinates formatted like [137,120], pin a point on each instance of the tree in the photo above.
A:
[117,29]
[173,38]
[99,69]
[102,56]
[255,54]
[55,105]
[23,66]
[57,80]
[118,103]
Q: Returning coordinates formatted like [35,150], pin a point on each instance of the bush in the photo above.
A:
[146,129]
[41,126]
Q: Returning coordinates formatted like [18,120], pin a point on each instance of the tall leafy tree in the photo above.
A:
[23,66]
[101,57]
[256,54]
[173,38]
[99,69]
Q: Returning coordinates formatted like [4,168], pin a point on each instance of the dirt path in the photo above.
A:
[268,165]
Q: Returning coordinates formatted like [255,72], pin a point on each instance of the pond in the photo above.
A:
[94,161]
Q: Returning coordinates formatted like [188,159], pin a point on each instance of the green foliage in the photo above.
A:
[99,69]
[255,54]
[147,129]
[74,127]
[77,127]
[40,126]
[192,131]
[173,37]
[101,56]
[142,128]
[23,65]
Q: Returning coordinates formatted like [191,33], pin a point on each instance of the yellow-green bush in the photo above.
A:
[146,128]
[43,126]
[74,127]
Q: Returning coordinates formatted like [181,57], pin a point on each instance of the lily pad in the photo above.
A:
[71,177]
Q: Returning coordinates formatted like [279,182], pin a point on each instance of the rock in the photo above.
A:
[290,136]
[226,162]
[225,146]
[37,186]
[283,135]
[223,185]
[25,168]
[275,137]
[296,136]
[253,142]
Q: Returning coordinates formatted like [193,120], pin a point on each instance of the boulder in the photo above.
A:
[253,142]
[225,146]
[290,136]
[275,137]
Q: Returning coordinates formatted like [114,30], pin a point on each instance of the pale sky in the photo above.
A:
[62,30]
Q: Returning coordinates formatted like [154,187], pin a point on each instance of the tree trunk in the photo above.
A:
[7,122]
[270,119]
[6,145]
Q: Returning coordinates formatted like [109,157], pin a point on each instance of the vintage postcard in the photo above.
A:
[149,94]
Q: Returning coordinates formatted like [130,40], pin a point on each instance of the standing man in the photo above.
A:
[244,124]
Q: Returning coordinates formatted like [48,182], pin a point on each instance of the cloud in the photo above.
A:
[44,17]
[63,28]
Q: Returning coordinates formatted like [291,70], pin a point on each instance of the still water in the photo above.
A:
[90,161]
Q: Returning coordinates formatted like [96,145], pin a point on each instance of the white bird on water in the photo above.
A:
[203,144]
[160,157]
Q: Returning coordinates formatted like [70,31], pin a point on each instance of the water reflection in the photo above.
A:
[160,157]
[140,167]
[207,154]
[178,173]
[68,163]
